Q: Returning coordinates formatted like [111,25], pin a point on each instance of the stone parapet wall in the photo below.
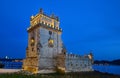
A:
[76,63]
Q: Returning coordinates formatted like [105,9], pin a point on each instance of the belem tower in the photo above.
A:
[45,50]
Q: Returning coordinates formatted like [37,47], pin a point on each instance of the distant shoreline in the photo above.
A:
[105,62]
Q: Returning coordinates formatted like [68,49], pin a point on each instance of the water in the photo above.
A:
[108,69]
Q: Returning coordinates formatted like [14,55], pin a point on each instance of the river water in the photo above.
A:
[108,69]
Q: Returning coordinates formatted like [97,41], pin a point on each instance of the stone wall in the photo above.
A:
[78,63]
[48,54]
[45,47]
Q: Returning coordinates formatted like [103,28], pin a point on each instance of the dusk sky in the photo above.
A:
[87,25]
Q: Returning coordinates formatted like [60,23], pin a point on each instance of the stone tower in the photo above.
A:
[44,44]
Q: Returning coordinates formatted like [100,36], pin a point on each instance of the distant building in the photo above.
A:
[11,63]
[45,50]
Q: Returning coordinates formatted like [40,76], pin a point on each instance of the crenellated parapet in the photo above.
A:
[43,20]
[44,25]
[76,56]
[77,63]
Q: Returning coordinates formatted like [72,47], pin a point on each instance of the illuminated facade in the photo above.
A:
[78,63]
[45,50]
[44,44]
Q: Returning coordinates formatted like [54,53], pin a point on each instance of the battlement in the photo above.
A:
[75,56]
[43,20]
[42,17]
[52,16]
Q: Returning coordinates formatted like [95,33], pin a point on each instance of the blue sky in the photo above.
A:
[87,25]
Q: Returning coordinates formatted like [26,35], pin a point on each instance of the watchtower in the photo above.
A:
[44,43]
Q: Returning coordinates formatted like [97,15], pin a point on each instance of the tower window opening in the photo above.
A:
[50,32]
[50,42]
[32,40]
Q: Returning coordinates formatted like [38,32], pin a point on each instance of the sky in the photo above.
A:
[88,25]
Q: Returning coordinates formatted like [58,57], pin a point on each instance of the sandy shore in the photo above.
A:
[9,70]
